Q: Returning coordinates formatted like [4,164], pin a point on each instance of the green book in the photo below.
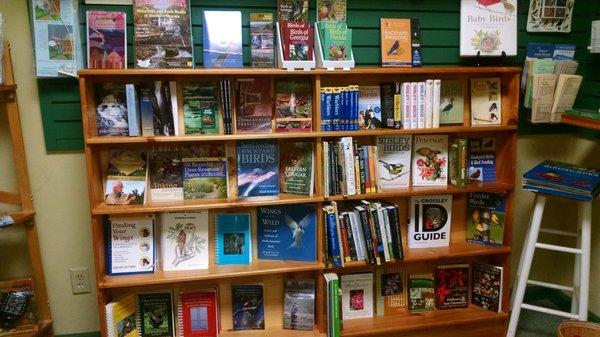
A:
[458,166]
[296,168]
[200,108]
[421,293]
[538,66]
[452,97]
[337,293]
[336,41]
[155,315]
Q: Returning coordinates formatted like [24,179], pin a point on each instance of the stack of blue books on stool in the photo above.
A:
[562,179]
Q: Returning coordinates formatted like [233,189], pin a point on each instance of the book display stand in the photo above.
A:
[327,64]
[291,65]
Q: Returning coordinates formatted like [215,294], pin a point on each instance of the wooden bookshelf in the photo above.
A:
[584,122]
[472,321]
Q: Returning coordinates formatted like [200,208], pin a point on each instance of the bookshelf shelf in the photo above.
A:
[8,87]
[23,217]
[42,329]
[583,122]
[273,332]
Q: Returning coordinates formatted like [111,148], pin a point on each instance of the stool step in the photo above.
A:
[549,311]
[558,232]
[550,285]
[558,248]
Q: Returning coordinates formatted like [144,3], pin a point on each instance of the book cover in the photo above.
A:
[262,48]
[292,10]
[155,314]
[452,102]
[126,177]
[247,307]
[299,305]
[134,118]
[488,28]
[336,40]
[296,168]
[430,160]
[233,239]
[430,221]
[163,34]
[255,105]
[18,308]
[486,222]
[393,154]
[486,101]
[293,105]
[166,181]
[396,48]
[298,40]
[106,40]
[200,108]
[391,297]
[458,155]
[287,232]
[452,286]
[204,178]
[258,169]
[155,101]
[331,10]
[421,295]
[222,33]
[184,240]
[391,104]
[486,286]
[121,316]
[564,177]
[369,107]
[357,295]
[482,159]
[130,245]
[197,312]
[111,109]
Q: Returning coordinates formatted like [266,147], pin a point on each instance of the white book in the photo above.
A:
[421,105]
[429,104]
[326,168]
[131,245]
[184,240]
[488,29]
[414,94]
[430,160]
[394,163]
[486,101]
[350,174]
[174,106]
[430,221]
[133,111]
[359,239]
[542,97]
[567,88]
[357,295]
[406,117]
[437,89]
[388,230]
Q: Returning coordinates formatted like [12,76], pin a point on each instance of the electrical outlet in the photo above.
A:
[80,281]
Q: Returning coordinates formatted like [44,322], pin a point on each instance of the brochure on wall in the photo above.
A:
[56,37]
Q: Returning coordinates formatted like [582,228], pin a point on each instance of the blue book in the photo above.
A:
[326,109]
[133,111]
[258,169]
[287,232]
[563,179]
[482,159]
[222,37]
[323,111]
[333,240]
[355,108]
[336,108]
[233,239]
[130,245]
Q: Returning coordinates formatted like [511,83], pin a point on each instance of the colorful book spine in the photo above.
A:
[406,114]
[421,94]
[333,238]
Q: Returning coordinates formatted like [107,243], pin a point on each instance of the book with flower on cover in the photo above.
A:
[488,27]
[452,286]
[430,160]
[357,295]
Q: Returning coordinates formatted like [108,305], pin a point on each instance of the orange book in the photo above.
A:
[396,50]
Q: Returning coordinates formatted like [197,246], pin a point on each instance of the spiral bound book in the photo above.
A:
[233,239]
[197,312]
[130,245]
[155,314]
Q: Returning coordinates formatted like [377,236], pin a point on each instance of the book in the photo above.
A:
[421,294]
[258,169]
[452,99]
[166,180]
[406,116]
[262,48]
[222,39]
[255,105]
[488,28]
[482,159]
[201,108]
[233,239]
[369,106]
[396,48]
[298,40]
[18,309]
[536,67]
[126,177]
[333,237]
[157,100]
[567,88]
[430,221]
[437,88]
[414,97]
[393,153]
[155,314]
[293,105]
[197,312]
[247,307]
[205,173]
[336,40]
[428,104]
[486,101]
[121,316]
[333,310]
[357,295]
[163,34]
[430,160]
[296,169]
[415,41]
[184,240]
[458,168]
[421,105]
[563,179]
[331,10]
[287,232]
[106,40]
[292,10]
[130,244]
[389,288]
[543,88]
[486,286]
[111,109]
[452,286]
[134,119]
[299,305]
[391,104]
[487,218]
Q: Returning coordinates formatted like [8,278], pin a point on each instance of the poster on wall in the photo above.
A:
[488,27]
[56,37]
[553,16]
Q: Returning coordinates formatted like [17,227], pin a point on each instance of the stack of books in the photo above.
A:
[562,179]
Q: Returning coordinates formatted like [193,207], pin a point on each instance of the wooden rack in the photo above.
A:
[470,322]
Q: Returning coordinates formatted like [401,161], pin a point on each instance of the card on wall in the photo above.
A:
[550,16]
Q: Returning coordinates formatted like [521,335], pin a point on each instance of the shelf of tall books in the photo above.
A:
[267,202]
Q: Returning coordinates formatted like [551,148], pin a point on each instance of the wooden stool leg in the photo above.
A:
[527,258]
[577,268]
[585,220]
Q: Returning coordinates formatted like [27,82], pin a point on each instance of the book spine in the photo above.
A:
[356,168]
[366,229]
[133,111]
[174,107]
[324,121]
[351,237]
[349,172]
[367,168]
[388,232]
[437,88]
[376,229]
[383,233]
[453,163]
[421,105]
[358,237]
[332,236]
[361,168]
[376,168]
[397,236]
[397,105]
[336,108]
[429,104]
[336,169]
[462,155]
[372,177]
[355,92]
[179,318]
[326,170]
[345,243]
[341,170]
[414,94]
[337,320]
[146,114]
[387,104]
[339,233]
[406,97]
[345,119]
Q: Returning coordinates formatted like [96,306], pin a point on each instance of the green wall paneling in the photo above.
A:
[440,27]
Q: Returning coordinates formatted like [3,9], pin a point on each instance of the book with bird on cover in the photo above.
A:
[155,314]
[430,221]
[430,160]
[247,307]
[452,102]
[488,27]
[258,169]
[396,47]
[130,244]
[292,10]
[296,169]
[293,105]
[487,211]
[369,107]
[331,10]
[184,240]
[393,153]
[299,305]
[486,101]
[482,159]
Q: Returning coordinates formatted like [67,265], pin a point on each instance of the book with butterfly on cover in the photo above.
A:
[126,177]
[486,101]
[106,40]
[488,27]
[130,244]
[198,312]
[393,154]
[296,169]
[248,307]
[18,311]
[396,48]
[184,240]
[121,316]
[155,314]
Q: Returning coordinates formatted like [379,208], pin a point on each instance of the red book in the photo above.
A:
[344,238]
[197,313]
[297,39]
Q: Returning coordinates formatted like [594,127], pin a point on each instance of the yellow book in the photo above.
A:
[120,317]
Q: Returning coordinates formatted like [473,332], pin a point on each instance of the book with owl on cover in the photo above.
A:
[430,160]
[488,27]
[126,177]
[155,314]
[486,101]
[184,240]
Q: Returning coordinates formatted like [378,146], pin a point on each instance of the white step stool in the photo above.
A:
[581,276]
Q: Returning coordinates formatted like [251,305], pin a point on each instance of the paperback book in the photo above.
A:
[336,40]
[292,10]
[369,107]
[293,105]
[126,177]
[458,167]
[391,104]
[200,108]
[396,47]
[393,153]
[262,49]
[130,245]
[487,216]
[452,102]
[258,169]
[331,10]
[155,314]
[488,28]
[158,108]
[222,33]
[389,287]
[563,179]
[255,105]
[486,101]
[430,221]
[166,180]
[121,316]
[487,286]
[184,240]
[197,312]
[247,307]
[233,239]
[421,295]
[111,109]
[204,178]
[297,40]
[357,295]
[106,40]
[296,169]
[482,159]
[430,160]
[452,286]
[299,305]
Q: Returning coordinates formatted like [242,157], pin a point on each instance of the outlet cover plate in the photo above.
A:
[80,281]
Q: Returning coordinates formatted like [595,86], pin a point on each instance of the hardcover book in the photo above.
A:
[130,245]
[126,178]
[261,40]
[166,181]
[155,314]
[293,105]
[391,297]
[106,40]
[292,10]
[163,35]
[452,102]
[482,159]
[430,221]
[258,169]
[287,232]
[200,108]
[255,105]
[222,33]
[357,295]
[197,312]
[299,305]
[369,107]
[111,109]
[247,307]
[298,40]
[393,153]
[430,160]
[563,179]
[488,28]
[331,10]
[396,48]
[296,169]
[486,101]
[487,286]
[233,239]
[121,316]
[486,223]
[421,295]
[156,107]
[184,240]
[452,286]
